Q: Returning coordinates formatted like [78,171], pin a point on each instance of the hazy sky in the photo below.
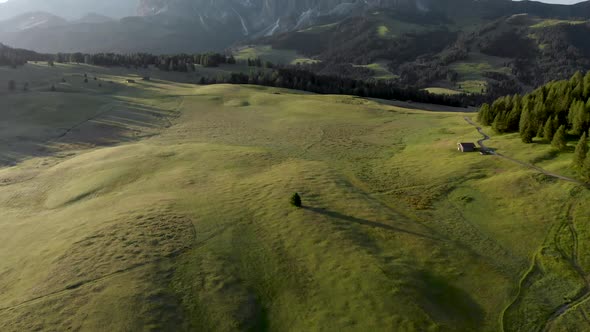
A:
[547,1]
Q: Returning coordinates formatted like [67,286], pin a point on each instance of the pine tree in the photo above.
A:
[559,141]
[540,131]
[483,116]
[581,151]
[296,200]
[499,125]
[585,171]
[527,131]
[586,93]
[578,117]
[548,131]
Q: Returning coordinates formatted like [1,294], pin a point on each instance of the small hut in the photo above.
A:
[467,147]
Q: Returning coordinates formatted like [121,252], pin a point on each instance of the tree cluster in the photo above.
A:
[555,109]
[17,57]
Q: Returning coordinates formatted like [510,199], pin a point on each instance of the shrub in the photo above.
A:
[296,200]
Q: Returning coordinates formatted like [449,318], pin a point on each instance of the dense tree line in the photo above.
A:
[17,57]
[299,79]
[177,62]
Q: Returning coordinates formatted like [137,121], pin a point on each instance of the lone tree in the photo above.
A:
[296,200]
[26,87]
[11,85]
[581,151]
[559,141]
[53,88]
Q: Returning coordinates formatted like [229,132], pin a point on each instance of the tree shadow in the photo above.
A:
[375,224]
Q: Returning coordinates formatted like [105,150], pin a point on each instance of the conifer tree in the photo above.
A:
[540,131]
[585,171]
[586,93]
[581,151]
[559,141]
[548,131]
[483,116]
[527,131]
[296,200]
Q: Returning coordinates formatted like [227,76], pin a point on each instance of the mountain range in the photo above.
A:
[187,25]
[69,9]
[463,45]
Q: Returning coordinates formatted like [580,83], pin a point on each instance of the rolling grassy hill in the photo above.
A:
[163,205]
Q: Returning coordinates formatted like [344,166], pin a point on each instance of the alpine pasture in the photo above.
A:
[164,205]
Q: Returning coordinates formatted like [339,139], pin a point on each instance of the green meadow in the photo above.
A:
[275,56]
[164,205]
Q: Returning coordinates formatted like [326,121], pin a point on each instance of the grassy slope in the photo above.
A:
[471,71]
[267,53]
[443,91]
[191,228]
[381,72]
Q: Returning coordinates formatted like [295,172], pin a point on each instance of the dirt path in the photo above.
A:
[487,150]
[425,107]
[585,295]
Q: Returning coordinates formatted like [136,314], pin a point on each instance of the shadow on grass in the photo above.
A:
[375,224]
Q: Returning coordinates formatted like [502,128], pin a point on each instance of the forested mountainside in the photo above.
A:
[502,56]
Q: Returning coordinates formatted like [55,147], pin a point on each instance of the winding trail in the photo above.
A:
[583,296]
[487,150]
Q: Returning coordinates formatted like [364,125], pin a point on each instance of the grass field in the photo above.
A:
[276,56]
[442,91]
[164,205]
[380,69]
[471,71]
[553,22]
